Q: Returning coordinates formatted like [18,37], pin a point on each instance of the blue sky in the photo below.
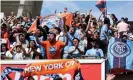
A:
[119,8]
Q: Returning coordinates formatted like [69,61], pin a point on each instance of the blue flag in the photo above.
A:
[120,53]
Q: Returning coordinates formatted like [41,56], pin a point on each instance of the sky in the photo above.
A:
[119,8]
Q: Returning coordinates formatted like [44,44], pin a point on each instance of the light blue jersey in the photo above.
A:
[103,29]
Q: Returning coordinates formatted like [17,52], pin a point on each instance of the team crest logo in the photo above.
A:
[52,50]
[120,49]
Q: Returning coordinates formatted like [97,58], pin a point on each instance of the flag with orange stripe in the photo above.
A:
[101,5]
[33,27]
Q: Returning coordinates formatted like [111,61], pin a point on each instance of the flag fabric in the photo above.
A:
[68,17]
[8,70]
[33,27]
[52,21]
[101,5]
[120,54]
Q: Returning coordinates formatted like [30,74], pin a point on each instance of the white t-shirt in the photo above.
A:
[83,42]
[76,51]
[122,26]
[31,54]
[8,54]
[93,52]
[18,56]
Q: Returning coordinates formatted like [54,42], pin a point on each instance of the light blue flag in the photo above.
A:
[52,21]
[124,51]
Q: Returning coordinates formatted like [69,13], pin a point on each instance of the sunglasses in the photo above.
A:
[51,33]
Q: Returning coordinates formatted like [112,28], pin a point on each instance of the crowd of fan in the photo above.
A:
[87,36]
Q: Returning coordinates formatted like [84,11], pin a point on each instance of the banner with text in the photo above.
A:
[64,68]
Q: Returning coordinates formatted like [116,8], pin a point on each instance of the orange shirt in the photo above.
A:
[53,51]
[6,35]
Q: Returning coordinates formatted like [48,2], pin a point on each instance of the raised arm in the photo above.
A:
[11,50]
[88,25]
[64,26]
[90,12]
[36,36]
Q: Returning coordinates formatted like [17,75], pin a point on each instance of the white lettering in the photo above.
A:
[33,68]
[60,65]
[67,64]
[56,66]
[53,66]
[38,68]
[46,67]
[27,70]
[120,48]
[72,63]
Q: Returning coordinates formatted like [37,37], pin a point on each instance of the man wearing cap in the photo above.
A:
[53,47]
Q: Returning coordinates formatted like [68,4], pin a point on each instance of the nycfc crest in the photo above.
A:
[120,49]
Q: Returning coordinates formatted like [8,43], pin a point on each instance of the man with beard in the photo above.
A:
[52,47]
